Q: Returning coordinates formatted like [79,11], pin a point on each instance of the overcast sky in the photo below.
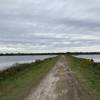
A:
[49,25]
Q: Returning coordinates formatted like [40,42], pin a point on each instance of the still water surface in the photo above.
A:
[95,57]
[7,61]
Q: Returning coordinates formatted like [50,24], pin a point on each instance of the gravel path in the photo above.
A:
[59,84]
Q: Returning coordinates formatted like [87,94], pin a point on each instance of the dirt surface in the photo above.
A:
[59,84]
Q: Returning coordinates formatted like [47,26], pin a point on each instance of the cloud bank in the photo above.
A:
[49,25]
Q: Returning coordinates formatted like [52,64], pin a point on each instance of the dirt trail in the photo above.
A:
[59,84]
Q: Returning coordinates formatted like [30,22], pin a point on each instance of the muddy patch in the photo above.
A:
[59,84]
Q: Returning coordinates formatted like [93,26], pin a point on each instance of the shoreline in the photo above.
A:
[9,61]
[17,82]
[88,74]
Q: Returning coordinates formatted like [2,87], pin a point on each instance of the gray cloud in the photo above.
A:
[49,25]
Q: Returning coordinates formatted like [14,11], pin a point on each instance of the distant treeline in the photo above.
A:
[59,53]
[87,53]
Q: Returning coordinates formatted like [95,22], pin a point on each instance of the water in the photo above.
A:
[95,57]
[7,61]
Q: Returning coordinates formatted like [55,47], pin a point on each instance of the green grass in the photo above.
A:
[17,82]
[88,73]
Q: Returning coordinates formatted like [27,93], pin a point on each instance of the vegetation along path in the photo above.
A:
[59,84]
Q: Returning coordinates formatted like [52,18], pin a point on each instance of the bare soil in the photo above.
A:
[59,84]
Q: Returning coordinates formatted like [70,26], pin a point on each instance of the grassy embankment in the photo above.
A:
[17,82]
[88,73]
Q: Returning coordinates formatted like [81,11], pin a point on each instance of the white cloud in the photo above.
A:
[85,49]
[86,37]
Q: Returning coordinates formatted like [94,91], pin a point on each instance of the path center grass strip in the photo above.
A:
[88,72]
[17,82]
